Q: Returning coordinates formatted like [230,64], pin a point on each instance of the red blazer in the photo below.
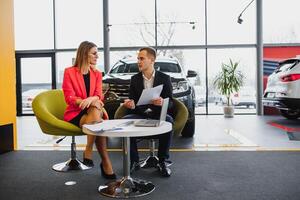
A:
[74,88]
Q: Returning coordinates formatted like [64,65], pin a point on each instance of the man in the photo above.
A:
[148,77]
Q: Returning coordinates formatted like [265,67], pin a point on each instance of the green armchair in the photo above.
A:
[180,118]
[49,108]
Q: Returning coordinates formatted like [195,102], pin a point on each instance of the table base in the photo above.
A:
[126,187]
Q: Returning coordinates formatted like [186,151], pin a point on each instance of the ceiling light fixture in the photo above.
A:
[240,20]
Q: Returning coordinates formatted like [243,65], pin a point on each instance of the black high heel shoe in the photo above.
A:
[107,176]
[87,162]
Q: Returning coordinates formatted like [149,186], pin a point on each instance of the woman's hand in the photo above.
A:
[86,103]
[98,104]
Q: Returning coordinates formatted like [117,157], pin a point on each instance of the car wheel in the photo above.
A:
[290,114]
[189,128]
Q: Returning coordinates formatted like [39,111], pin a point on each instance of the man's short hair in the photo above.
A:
[151,51]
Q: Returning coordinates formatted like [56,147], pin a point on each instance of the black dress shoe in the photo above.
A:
[134,166]
[88,162]
[105,175]
[164,170]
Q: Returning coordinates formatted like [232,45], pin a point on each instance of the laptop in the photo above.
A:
[155,122]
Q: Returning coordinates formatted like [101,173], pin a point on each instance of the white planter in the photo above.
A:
[228,111]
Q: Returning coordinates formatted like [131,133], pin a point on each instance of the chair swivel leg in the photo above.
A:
[151,160]
[73,163]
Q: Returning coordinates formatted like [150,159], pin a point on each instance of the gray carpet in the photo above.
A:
[196,175]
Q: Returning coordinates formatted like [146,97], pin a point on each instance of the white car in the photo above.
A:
[245,97]
[283,89]
[28,96]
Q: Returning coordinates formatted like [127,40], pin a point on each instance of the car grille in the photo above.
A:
[122,90]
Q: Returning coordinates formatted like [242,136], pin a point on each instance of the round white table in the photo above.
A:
[127,186]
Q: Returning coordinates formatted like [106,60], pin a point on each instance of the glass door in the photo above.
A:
[35,74]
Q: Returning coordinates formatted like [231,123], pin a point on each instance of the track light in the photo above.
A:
[240,20]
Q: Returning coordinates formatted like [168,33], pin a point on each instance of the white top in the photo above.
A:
[118,128]
[148,83]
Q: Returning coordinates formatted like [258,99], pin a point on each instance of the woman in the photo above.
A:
[82,87]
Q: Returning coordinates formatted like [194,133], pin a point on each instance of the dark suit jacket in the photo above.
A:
[137,86]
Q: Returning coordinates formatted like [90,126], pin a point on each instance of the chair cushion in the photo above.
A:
[49,108]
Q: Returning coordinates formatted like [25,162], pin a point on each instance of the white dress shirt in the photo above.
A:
[148,83]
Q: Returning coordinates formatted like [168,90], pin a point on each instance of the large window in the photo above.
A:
[222,26]
[245,100]
[77,21]
[34,75]
[178,26]
[281,21]
[132,23]
[33,24]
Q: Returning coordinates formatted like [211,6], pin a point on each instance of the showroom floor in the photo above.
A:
[213,132]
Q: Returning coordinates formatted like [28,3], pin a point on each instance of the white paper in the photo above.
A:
[107,125]
[99,127]
[149,94]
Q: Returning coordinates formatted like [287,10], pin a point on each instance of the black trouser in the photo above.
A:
[164,140]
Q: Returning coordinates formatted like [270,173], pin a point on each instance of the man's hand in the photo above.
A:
[129,103]
[158,101]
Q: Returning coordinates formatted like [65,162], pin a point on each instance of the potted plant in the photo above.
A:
[228,81]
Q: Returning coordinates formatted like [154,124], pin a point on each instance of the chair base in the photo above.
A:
[71,164]
[152,161]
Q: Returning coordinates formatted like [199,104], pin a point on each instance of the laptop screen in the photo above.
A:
[164,110]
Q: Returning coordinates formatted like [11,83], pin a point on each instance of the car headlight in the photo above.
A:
[181,86]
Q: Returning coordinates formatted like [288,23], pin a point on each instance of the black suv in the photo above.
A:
[116,86]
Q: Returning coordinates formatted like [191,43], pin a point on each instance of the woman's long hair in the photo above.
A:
[82,56]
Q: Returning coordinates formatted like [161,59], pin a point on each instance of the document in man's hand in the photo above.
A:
[149,94]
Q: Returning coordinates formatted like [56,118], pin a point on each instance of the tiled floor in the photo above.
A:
[213,132]
[243,132]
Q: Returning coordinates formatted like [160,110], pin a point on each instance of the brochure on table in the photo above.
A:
[107,125]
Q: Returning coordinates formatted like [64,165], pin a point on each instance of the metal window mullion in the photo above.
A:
[206,61]
[106,42]
[259,72]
